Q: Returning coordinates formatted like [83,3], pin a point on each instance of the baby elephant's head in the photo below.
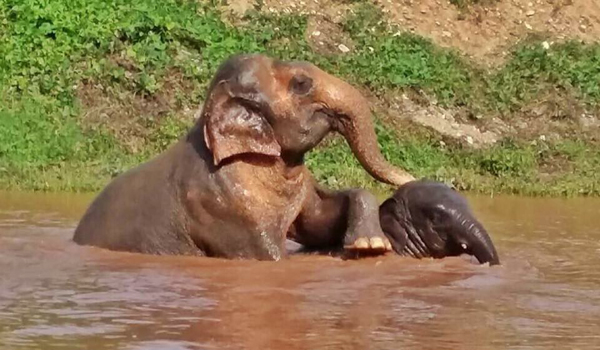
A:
[429,219]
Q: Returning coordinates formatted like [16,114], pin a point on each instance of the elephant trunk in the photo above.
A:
[479,242]
[352,118]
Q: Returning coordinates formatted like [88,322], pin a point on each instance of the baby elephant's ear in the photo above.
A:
[232,129]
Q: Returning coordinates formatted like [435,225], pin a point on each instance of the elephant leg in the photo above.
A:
[348,219]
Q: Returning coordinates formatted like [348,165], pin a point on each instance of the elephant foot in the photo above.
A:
[366,246]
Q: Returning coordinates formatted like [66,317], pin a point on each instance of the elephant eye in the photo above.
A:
[301,84]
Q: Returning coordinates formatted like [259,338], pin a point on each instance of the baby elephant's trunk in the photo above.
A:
[474,239]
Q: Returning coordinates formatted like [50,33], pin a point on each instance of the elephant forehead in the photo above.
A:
[443,207]
[284,72]
[279,96]
[256,76]
[248,78]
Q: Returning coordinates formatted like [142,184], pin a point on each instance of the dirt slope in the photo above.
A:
[483,32]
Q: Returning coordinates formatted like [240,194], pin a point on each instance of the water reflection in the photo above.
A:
[56,295]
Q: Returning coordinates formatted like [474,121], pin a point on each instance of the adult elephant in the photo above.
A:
[429,219]
[237,184]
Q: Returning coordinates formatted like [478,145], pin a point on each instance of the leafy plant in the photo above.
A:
[152,49]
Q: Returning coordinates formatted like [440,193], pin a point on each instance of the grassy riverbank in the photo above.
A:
[91,88]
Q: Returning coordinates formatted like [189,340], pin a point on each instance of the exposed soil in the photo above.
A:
[483,32]
[406,108]
[132,117]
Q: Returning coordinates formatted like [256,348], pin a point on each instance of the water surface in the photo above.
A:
[546,295]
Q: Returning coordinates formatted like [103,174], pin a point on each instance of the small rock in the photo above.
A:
[530,13]
[446,34]
[528,26]
[545,45]
[343,48]
[542,137]
[316,33]
[583,27]
[469,140]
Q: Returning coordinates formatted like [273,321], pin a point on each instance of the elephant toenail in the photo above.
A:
[361,243]
[388,245]
[377,243]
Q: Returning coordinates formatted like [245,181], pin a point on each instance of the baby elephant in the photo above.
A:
[429,219]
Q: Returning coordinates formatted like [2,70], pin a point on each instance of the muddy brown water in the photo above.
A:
[546,295]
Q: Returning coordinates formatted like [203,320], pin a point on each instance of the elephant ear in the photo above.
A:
[232,129]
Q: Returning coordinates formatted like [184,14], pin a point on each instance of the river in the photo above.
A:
[546,295]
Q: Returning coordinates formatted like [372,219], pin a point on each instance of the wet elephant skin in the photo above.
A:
[429,219]
[235,186]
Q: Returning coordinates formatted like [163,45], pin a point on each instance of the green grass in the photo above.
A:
[49,49]
[385,61]
[567,168]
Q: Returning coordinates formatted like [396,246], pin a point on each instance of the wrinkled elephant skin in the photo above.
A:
[236,185]
[429,219]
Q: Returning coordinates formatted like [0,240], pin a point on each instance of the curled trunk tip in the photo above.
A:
[354,120]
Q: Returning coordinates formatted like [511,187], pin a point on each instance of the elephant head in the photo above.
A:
[260,105]
[429,219]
